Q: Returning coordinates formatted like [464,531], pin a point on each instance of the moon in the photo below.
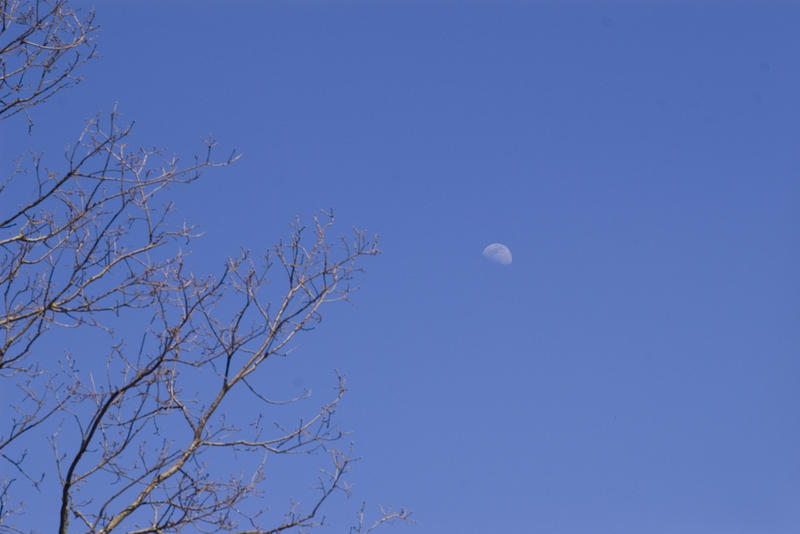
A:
[498,253]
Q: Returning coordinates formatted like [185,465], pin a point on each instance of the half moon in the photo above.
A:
[498,253]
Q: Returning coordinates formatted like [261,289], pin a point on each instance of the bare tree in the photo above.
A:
[160,395]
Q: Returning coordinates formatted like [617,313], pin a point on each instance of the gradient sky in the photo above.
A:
[637,368]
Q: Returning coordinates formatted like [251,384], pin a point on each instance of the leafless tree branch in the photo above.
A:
[148,409]
[43,44]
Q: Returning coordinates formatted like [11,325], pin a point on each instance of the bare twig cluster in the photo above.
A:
[145,411]
[43,43]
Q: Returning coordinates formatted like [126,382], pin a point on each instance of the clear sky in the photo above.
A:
[637,367]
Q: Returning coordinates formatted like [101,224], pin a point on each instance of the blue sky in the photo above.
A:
[636,368]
